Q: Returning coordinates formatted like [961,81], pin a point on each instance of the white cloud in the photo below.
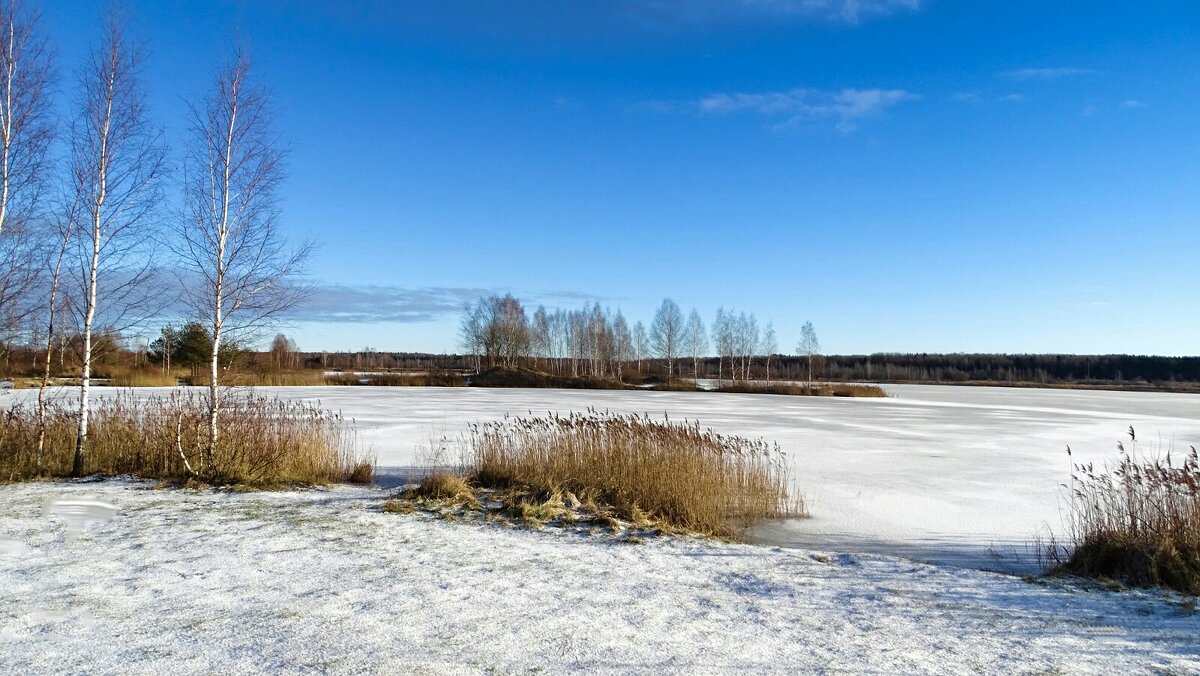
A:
[1132,103]
[977,97]
[1088,111]
[1044,74]
[845,108]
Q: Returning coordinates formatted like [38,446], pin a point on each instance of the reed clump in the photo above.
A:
[263,441]
[1137,522]
[637,468]
[139,377]
[426,379]
[511,377]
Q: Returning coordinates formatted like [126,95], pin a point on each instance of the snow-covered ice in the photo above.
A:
[186,582]
[949,474]
[322,579]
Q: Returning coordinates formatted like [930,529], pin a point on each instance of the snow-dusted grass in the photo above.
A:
[186,582]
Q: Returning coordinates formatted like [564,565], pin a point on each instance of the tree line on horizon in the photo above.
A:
[597,342]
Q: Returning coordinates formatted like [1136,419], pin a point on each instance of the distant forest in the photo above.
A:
[1037,369]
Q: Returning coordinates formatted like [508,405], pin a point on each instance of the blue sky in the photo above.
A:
[909,175]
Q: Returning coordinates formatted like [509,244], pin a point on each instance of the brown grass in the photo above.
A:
[639,468]
[429,379]
[443,486]
[263,441]
[424,379]
[1137,522]
[815,390]
[270,378]
[343,379]
[500,377]
[153,377]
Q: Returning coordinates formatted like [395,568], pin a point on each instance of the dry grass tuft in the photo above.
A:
[263,441]
[1138,522]
[399,507]
[362,473]
[642,470]
[444,487]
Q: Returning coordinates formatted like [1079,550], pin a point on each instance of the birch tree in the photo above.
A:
[666,333]
[622,345]
[641,344]
[66,233]
[26,131]
[241,272]
[117,163]
[720,331]
[695,340]
[770,345]
[809,346]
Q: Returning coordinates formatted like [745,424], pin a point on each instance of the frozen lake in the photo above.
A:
[946,474]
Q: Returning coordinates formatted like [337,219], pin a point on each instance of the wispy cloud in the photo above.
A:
[370,303]
[1132,103]
[1044,74]
[354,304]
[845,108]
[978,97]
[852,12]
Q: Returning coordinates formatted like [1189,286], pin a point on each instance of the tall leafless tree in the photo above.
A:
[722,341]
[695,340]
[770,345]
[666,333]
[641,344]
[241,272]
[808,346]
[66,233]
[117,166]
[622,345]
[26,132]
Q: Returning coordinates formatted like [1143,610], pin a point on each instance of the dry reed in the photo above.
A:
[815,390]
[677,473]
[1137,522]
[263,441]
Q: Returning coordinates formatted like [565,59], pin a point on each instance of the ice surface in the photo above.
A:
[962,475]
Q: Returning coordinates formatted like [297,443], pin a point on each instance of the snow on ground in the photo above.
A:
[959,475]
[201,581]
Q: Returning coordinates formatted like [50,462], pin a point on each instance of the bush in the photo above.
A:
[262,442]
[1138,523]
[676,473]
